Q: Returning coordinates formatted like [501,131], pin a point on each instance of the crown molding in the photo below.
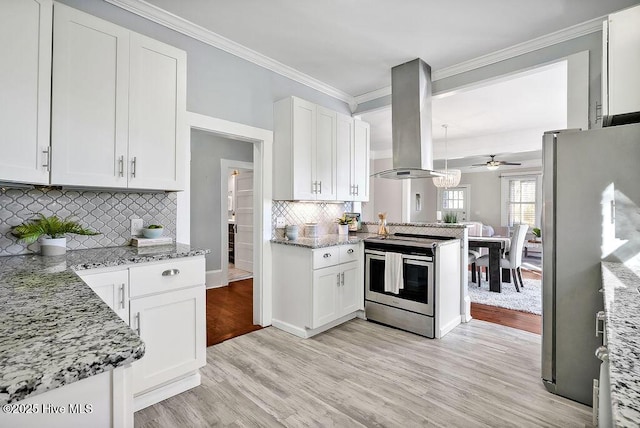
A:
[563,35]
[181,25]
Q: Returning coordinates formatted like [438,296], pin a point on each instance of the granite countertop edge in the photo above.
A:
[443,225]
[55,329]
[324,240]
[622,311]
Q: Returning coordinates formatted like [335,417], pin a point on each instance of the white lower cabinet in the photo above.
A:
[165,303]
[113,289]
[316,289]
[174,338]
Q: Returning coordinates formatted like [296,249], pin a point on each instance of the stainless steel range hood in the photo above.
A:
[411,122]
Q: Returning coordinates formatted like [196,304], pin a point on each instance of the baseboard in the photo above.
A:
[291,329]
[448,327]
[306,333]
[165,391]
[360,314]
[213,279]
[466,316]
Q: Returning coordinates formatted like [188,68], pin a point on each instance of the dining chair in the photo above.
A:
[513,259]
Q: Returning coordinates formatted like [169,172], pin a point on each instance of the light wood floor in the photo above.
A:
[365,374]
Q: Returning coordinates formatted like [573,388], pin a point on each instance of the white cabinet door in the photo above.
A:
[25,88]
[304,140]
[172,326]
[157,108]
[326,283]
[623,62]
[89,100]
[350,288]
[325,154]
[360,162]
[113,289]
[344,144]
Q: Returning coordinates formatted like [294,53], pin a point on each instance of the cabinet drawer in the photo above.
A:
[349,253]
[173,274]
[323,257]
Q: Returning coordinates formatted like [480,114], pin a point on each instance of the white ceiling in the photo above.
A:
[505,116]
[352,45]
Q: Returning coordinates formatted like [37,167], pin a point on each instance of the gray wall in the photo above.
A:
[590,42]
[218,84]
[428,194]
[206,151]
[384,195]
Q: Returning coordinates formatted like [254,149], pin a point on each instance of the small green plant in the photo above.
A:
[536,232]
[450,217]
[54,227]
[344,220]
[154,226]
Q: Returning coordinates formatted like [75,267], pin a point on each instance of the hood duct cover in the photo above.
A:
[412,145]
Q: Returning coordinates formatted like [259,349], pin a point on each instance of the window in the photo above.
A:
[453,199]
[521,199]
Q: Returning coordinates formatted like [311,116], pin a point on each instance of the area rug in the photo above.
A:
[528,300]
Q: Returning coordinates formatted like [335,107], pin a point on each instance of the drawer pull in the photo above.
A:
[138,323]
[350,251]
[171,272]
[121,296]
[326,255]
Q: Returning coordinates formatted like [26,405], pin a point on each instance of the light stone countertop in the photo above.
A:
[443,225]
[324,240]
[621,284]
[55,330]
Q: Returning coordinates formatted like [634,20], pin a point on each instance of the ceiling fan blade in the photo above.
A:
[479,164]
[509,163]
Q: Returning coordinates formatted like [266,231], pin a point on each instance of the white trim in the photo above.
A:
[213,279]
[263,195]
[225,166]
[442,331]
[579,30]
[181,25]
[169,390]
[306,333]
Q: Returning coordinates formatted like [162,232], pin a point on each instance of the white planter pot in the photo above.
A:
[53,247]
[343,229]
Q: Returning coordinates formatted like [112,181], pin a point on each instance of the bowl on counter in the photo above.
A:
[152,232]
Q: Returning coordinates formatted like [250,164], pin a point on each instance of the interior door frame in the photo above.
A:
[225,166]
[262,140]
[467,200]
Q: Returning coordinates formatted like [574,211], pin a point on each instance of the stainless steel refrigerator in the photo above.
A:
[591,195]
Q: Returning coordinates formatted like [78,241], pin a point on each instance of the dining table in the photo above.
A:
[496,246]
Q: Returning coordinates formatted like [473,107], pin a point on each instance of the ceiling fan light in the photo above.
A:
[449,178]
[492,167]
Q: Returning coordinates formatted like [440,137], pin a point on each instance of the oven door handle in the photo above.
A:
[374,252]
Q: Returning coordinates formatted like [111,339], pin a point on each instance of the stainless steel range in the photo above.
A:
[412,308]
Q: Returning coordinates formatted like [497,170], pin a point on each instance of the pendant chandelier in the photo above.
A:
[449,177]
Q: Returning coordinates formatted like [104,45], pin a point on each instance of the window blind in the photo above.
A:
[522,202]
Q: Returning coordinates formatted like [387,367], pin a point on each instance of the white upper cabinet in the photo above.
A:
[319,154]
[90,100]
[118,107]
[621,62]
[353,159]
[25,85]
[157,108]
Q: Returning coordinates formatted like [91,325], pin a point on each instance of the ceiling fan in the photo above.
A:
[493,164]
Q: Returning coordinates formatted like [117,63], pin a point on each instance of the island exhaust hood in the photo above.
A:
[412,145]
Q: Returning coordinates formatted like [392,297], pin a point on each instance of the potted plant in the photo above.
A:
[537,233]
[343,225]
[51,231]
[152,231]
[450,217]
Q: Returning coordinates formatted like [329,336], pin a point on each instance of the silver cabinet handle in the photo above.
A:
[171,272]
[326,255]
[599,317]
[602,353]
[47,163]
[122,296]
[138,323]
[133,166]
[342,279]
[357,189]
[320,187]
[121,166]
[338,280]
[350,251]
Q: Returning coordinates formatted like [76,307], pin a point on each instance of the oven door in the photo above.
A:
[417,294]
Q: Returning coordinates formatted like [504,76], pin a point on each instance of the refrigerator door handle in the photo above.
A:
[613,211]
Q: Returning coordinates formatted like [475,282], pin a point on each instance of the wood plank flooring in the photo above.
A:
[230,311]
[364,374]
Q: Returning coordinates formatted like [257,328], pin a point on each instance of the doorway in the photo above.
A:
[238,197]
[455,201]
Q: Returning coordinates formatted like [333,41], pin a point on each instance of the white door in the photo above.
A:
[344,140]
[172,327]
[360,155]
[326,283]
[304,136]
[350,285]
[325,154]
[157,108]
[113,289]
[25,90]
[454,201]
[90,91]
[244,221]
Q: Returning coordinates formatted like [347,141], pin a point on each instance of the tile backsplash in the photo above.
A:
[323,213]
[107,212]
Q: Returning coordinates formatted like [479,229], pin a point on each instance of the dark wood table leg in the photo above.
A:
[495,273]
[506,275]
